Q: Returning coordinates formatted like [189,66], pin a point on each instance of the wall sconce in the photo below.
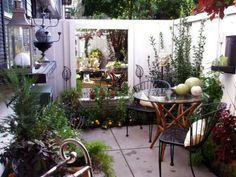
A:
[19,38]
[44,38]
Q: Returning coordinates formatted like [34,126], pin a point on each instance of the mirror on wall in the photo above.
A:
[101,57]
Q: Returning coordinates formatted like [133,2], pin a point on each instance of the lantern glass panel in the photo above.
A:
[19,41]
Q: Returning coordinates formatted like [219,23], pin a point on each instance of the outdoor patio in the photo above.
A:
[133,157]
[70,82]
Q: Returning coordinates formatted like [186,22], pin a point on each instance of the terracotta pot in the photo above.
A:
[112,94]
[102,94]
[92,95]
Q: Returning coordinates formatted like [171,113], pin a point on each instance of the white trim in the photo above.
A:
[72,61]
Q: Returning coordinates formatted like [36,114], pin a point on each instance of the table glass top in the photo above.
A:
[165,96]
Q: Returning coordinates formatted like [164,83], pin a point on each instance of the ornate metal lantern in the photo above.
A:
[44,38]
[19,38]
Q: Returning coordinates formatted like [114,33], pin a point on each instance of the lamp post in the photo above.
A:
[19,39]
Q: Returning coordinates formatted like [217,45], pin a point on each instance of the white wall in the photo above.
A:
[143,30]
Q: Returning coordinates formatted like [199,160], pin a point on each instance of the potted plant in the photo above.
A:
[29,152]
[92,95]
[112,93]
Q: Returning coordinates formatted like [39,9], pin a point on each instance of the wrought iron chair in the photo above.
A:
[70,157]
[202,122]
[146,107]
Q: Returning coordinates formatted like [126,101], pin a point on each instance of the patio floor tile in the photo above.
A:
[120,166]
[102,135]
[143,161]
[138,138]
[133,157]
[181,165]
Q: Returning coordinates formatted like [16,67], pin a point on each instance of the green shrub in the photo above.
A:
[25,105]
[100,159]
[181,58]
[198,51]
[70,102]
[53,118]
[212,87]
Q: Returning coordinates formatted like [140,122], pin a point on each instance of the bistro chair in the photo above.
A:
[202,122]
[144,107]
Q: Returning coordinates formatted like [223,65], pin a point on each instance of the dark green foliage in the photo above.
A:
[79,86]
[181,64]
[138,9]
[186,8]
[207,152]
[29,149]
[54,119]
[70,102]
[198,53]
[109,8]
[25,104]
[166,9]
[120,110]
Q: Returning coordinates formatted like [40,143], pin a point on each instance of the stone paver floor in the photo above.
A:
[133,157]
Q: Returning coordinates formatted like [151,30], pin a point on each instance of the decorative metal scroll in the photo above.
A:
[69,157]
[139,72]
[66,75]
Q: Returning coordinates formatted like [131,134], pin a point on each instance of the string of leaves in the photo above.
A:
[198,53]
[161,40]
[181,56]
[155,70]
[153,66]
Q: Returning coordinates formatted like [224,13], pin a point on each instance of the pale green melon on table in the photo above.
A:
[192,81]
[182,89]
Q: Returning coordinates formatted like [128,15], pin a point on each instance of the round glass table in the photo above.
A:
[168,105]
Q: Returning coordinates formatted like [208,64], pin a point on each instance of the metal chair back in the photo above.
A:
[151,83]
[208,114]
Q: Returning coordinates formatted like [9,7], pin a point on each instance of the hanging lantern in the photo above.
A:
[19,38]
